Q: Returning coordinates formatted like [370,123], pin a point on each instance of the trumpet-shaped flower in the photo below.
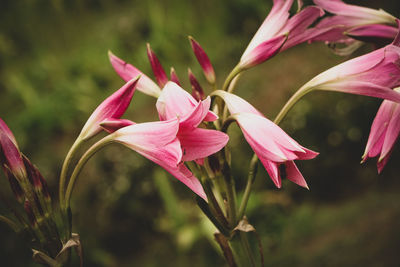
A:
[279,32]
[158,142]
[127,72]
[111,108]
[374,74]
[275,149]
[197,143]
[358,22]
[385,130]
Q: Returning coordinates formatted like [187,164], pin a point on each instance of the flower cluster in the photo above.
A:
[190,139]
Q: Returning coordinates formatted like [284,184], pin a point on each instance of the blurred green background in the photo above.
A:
[54,71]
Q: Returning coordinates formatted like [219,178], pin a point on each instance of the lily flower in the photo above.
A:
[158,142]
[278,32]
[357,22]
[111,108]
[203,59]
[127,72]
[275,149]
[197,143]
[384,132]
[374,74]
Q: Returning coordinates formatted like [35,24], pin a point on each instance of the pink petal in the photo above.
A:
[368,32]
[158,70]
[362,88]
[128,72]
[155,140]
[200,143]
[274,22]
[267,139]
[12,156]
[184,175]
[297,25]
[176,102]
[196,115]
[5,130]
[236,104]
[273,171]
[263,51]
[111,108]
[203,59]
[363,14]
[293,174]
[392,133]
[378,130]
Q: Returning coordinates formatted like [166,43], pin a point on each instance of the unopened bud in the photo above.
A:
[197,90]
[157,68]
[29,213]
[174,77]
[203,59]
[15,187]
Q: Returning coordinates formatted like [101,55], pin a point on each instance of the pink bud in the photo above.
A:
[11,156]
[203,59]
[174,77]
[111,108]
[197,91]
[158,70]
[111,126]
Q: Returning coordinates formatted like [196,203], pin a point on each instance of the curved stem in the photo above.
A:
[290,103]
[10,223]
[78,168]
[250,180]
[64,169]
[236,70]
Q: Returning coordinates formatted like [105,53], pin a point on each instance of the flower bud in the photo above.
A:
[174,77]
[29,213]
[15,187]
[203,59]
[197,90]
[157,68]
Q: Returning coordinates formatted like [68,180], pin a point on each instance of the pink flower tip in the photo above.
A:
[111,108]
[203,60]
[197,90]
[157,68]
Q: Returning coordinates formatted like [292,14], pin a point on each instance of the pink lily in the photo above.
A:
[174,101]
[385,130]
[127,72]
[203,59]
[278,32]
[158,70]
[365,22]
[197,143]
[111,108]
[275,149]
[158,142]
[374,74]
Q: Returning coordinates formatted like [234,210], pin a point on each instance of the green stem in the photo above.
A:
[64,169]
[78,168]
[246,247]
[290,103]
[236,70]
[10,223]
[250,180]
